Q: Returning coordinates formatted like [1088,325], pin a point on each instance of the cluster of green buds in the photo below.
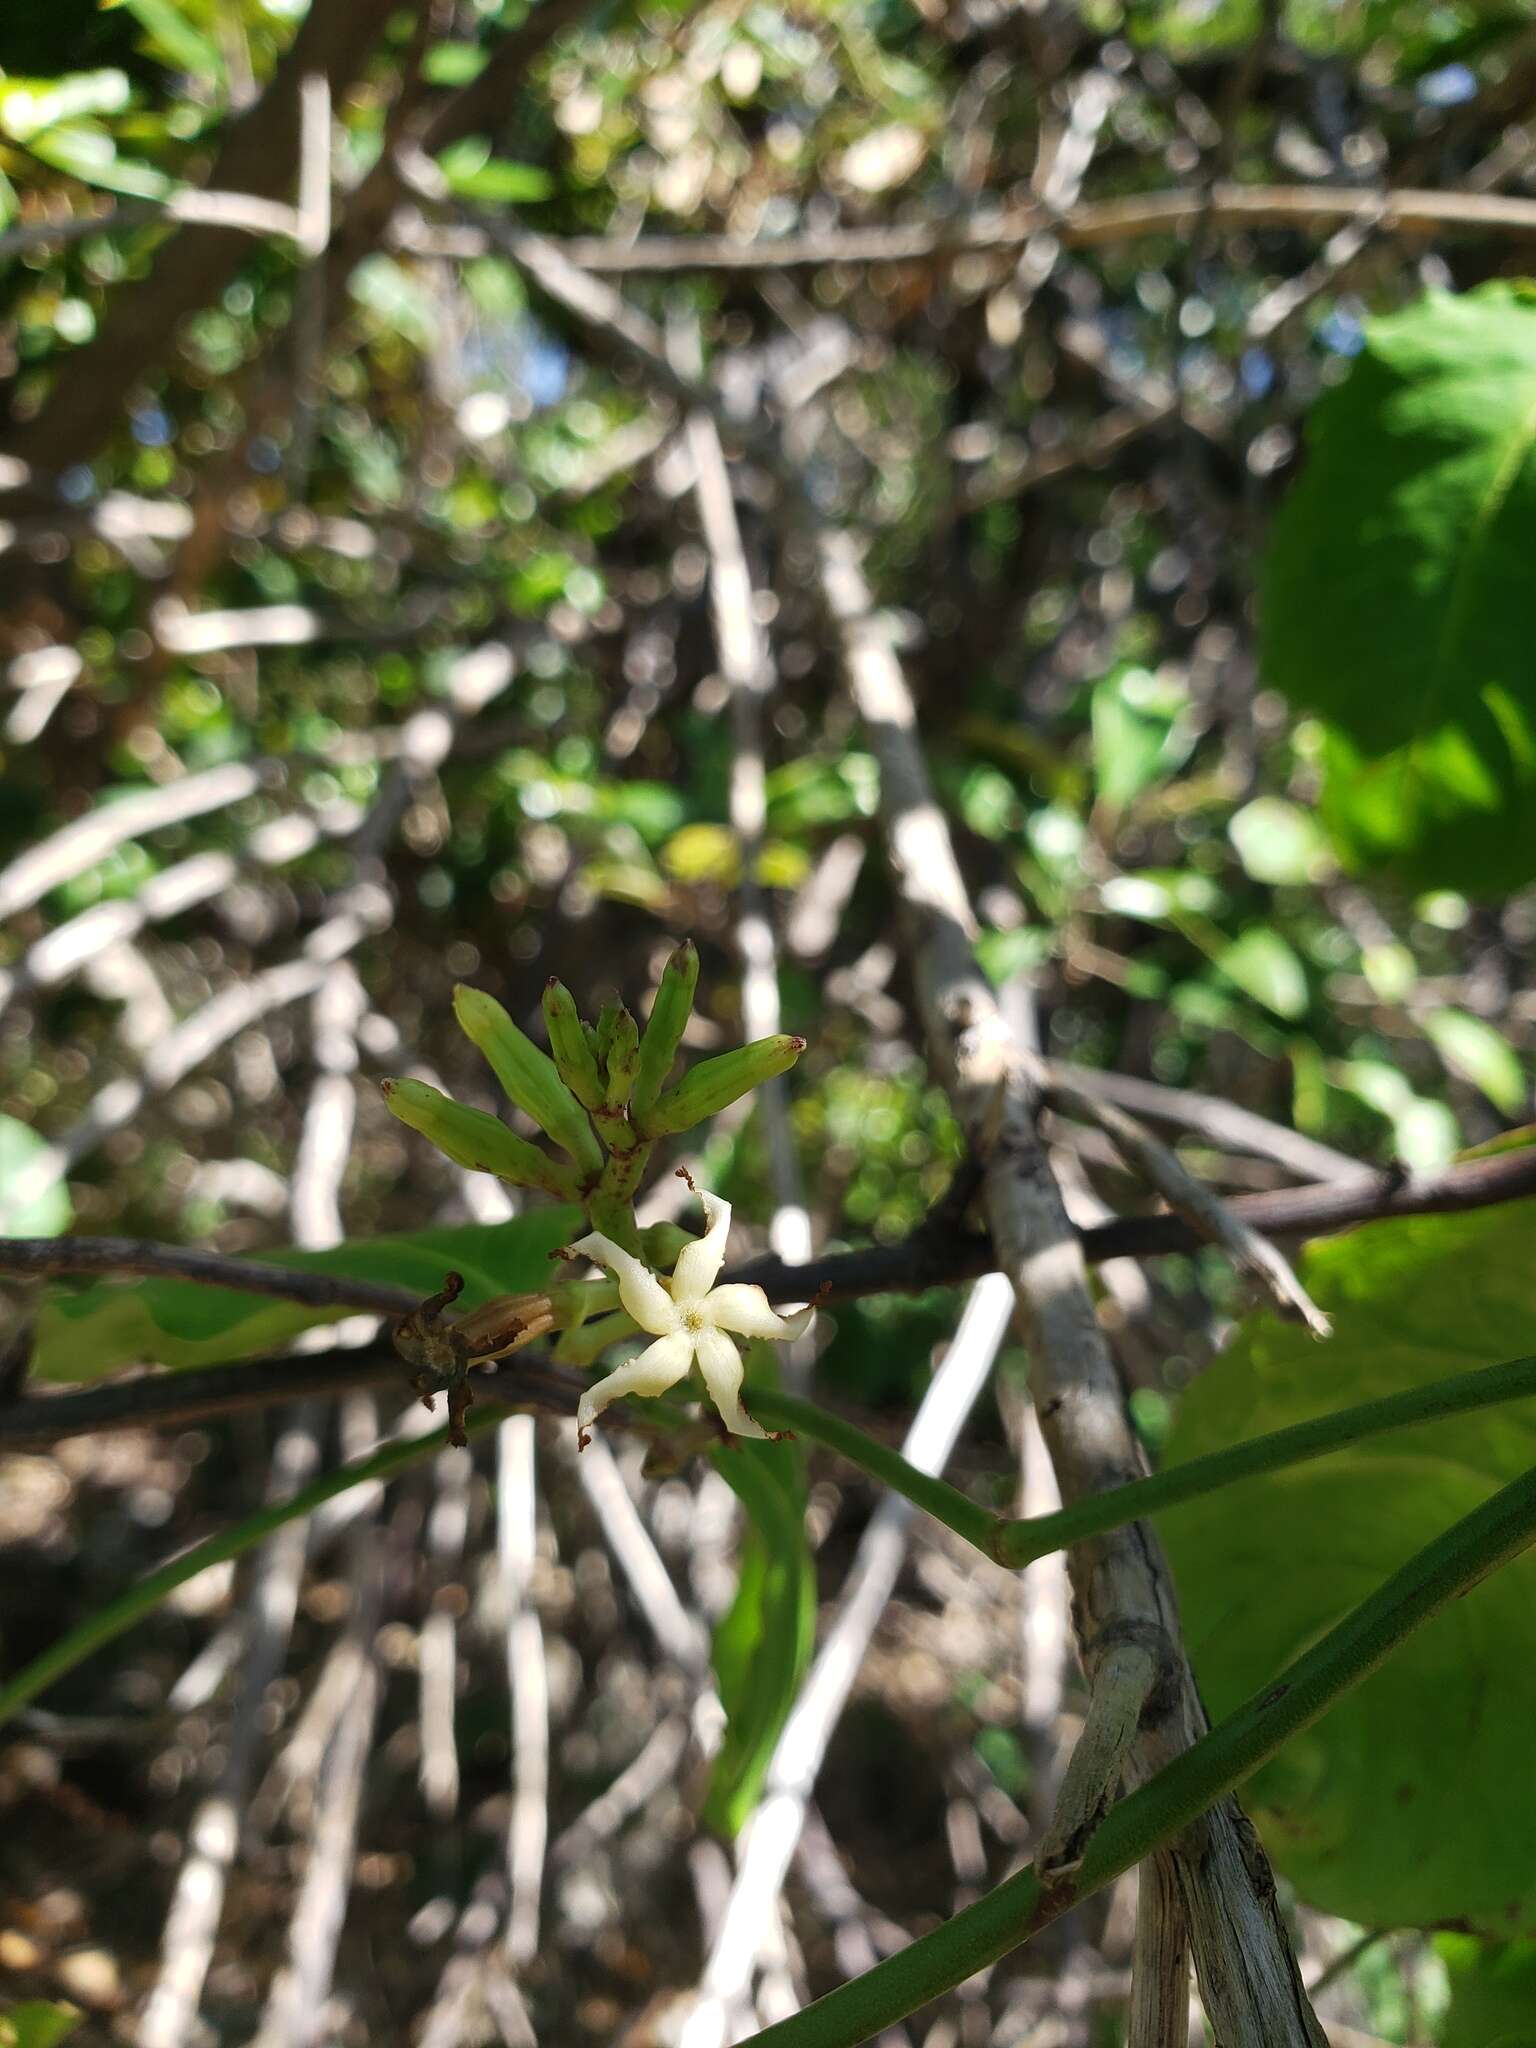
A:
[600,1094]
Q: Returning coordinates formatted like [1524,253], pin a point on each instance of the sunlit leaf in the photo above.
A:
[1263,966]
[1141,732]
[1279,842]
[1475,1050]
[1397,587]
[47,1213]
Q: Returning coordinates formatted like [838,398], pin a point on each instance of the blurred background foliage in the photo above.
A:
[380,521]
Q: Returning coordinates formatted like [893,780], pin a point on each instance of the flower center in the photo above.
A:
[692,1321]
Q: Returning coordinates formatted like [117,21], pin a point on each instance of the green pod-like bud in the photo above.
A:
[670,1011]
[713,1084]
[483,1143]
[529,1076]
[586,1344]
[573,1057]
[660,1244]
[623,1059]
[607,1022]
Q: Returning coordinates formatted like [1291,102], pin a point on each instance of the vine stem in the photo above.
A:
[1183,1790]
[143,1597]
[1011,1543]
[1018,1543]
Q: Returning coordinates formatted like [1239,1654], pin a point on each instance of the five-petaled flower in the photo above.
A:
[689,1317]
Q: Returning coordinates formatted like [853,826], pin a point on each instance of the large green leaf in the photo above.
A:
[1397,592]
[1413,1801]
[764,1641]
[86,1332]
[1493,1993]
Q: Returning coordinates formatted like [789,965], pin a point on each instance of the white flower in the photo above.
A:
[689,1317]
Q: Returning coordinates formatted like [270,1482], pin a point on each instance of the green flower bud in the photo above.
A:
[713,1084]
[607,1021]
[573,1057]
[660,1244]
[670,1011]
[529,1076]
[623,1059]
[473,1139]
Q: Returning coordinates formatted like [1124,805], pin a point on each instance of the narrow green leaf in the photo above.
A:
[763,1643]
[85,1333]
[1476,1051]
[1263,966]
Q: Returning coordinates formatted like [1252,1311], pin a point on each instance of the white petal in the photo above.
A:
[639,1289]
[722,1366]
[698,1264]
[659,1366]
[745,1310]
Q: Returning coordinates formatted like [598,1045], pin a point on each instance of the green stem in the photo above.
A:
[1017,1543]
[946,1503]
[1020,1543]
[1158,1813]
[121,1614]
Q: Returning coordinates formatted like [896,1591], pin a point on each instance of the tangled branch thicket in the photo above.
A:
[489,494]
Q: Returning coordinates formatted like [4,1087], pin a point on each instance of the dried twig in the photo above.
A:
[1247,1971]
[80,845]
[1093,224]
[797,1757]
[528,1826]
[1189,1197]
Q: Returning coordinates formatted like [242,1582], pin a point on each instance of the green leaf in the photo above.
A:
[1493,1993]
[83,150]
[1141,733]
[473,173]
[171,35]
[84,1334]
[1002,955]
[1365,1813]
[48,1213]
[37,2024]
[1396,593]
[1262,965]
[453,63]
[763,1643]
[28,106]
[1279,842]
[1476,1051]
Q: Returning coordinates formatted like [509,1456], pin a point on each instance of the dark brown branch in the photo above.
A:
[941,1254]
[945,1257]
[140,1258]
[206,1394]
